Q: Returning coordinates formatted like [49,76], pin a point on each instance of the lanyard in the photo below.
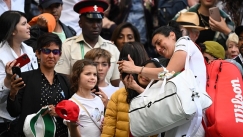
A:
[82,49]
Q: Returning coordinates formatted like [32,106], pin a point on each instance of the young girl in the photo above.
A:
[116,122]
[83,79]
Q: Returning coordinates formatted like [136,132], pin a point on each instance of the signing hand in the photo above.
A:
[219,26]
[72,124]
[127,66]
[73,129]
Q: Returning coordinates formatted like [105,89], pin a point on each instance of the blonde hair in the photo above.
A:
[233,38]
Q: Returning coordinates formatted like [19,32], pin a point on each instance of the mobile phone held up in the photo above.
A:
[96,87]
[22,60]
[16,70]
[124,74]
[215,14]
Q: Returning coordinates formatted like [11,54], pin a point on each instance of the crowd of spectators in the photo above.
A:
[75,45]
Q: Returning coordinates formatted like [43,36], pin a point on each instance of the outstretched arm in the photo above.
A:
[176,64]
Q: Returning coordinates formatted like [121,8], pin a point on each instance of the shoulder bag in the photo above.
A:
[169,104]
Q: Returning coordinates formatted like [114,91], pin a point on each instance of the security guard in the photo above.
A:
[91,15]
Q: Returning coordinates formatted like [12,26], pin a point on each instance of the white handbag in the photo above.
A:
[168,104]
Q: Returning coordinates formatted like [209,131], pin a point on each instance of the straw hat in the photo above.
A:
[189,20]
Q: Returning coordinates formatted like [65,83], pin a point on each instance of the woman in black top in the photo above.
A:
[42,87]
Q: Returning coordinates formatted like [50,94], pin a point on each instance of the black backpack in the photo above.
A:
[167,9]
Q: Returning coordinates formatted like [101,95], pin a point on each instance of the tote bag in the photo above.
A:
[168,104]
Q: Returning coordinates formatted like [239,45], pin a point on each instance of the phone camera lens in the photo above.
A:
[24,57]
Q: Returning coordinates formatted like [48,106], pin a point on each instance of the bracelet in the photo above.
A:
[162,74]
[141,70]
[166,74]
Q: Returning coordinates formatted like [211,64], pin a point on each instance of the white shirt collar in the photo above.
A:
[241,58]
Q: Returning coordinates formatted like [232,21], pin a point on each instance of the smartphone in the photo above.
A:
[96,87]
[22,60]
[16,70]
[215,14]
[124,74]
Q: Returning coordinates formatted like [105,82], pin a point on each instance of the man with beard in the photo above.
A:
[91,15]
[239,32]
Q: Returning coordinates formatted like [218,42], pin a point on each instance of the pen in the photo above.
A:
[54,118]
[79,124]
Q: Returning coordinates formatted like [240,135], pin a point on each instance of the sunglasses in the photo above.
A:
[48,51]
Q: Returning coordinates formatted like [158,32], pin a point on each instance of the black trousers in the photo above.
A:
[7,129]
[4,129]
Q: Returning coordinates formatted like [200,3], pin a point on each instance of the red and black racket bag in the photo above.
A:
[224,118]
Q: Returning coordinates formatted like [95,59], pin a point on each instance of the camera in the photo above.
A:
[25,57]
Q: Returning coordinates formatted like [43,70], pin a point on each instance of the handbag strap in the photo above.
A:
[148,86]
[197,119]
[86,111]
[188,52]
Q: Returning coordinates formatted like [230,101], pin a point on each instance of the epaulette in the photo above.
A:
[109,42]
[71,38]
